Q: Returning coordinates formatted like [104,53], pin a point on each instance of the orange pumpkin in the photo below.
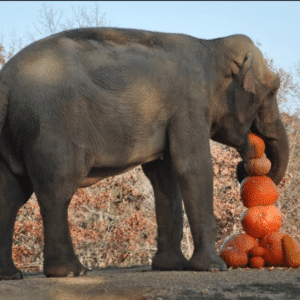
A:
[259,221]
[240,242]
[291,252]
[258,166]
[258,190]
[234,258]
[272,243]
[257,251]
[257,146]
[256,262]
[234,251]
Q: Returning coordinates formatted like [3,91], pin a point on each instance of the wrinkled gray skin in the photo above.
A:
[82,105]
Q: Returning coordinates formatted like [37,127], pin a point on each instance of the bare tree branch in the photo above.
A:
[288,88]
[2,51]
[49,20]
[84,18]
[16,44]
[99,20]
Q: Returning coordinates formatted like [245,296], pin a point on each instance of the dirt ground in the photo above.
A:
[142,283]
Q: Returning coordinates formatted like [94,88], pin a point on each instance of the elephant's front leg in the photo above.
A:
[169,215]
[196,188]
[191,158]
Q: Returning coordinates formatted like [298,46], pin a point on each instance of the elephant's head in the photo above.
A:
[245,100]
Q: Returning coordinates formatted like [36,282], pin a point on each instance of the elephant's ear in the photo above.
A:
[248,79]
[244,97]
[248,82]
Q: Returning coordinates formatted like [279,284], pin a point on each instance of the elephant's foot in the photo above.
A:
[208,262]
[169,261]
[10,274]
[55,266]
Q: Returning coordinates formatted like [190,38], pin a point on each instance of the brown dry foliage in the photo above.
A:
[113,221]
[2,58]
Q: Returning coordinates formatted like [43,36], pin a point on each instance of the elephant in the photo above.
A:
[85,104]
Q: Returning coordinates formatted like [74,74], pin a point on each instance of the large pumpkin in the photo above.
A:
[234,251]
[291,252]
[259,221]
[240,241]
[272,243]
[258,190]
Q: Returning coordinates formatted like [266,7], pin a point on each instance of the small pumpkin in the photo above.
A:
[291,252]
[258,166]
[257,251]
[272,243]
[259,221]
[257,146]
[257,262]
[258,190]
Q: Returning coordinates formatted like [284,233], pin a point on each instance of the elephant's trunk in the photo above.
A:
[277,148]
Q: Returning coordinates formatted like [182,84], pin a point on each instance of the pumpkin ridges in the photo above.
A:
[234,258]
[259,221]
[274,251]
[291,252]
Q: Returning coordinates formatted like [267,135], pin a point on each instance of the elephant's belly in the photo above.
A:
[98,173]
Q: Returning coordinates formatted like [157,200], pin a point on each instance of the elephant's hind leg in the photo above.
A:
[59,256]
[14,192]
[169,216]
[55,173]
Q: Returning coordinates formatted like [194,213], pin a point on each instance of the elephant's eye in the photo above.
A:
[271,94]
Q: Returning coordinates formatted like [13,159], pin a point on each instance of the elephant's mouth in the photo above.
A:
[254,129]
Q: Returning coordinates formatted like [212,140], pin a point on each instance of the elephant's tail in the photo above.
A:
[4,92]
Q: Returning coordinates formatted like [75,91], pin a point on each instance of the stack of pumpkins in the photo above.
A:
[262,244]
